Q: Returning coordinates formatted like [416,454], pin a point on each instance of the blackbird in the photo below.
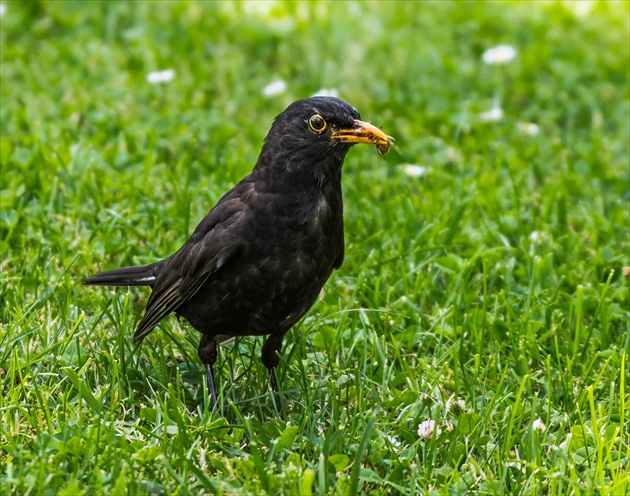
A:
[258,260]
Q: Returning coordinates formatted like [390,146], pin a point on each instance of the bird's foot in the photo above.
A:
[274,392]
[211,388]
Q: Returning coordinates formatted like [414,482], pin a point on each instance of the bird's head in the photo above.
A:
[312,136]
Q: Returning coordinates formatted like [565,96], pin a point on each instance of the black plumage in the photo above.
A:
[258,260]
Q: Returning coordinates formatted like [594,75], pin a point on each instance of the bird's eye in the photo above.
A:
[317,123]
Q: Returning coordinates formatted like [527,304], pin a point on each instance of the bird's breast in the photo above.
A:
[289,250]
[321,213]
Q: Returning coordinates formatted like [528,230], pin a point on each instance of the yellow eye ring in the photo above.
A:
[317,123]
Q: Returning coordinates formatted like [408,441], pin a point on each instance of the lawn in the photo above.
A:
[476,339]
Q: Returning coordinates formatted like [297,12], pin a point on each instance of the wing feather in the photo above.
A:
[168,301]
[212,244]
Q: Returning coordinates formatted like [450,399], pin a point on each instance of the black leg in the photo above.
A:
[270,350]
[208,355]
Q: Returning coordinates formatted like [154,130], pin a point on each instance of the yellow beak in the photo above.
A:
[364,132]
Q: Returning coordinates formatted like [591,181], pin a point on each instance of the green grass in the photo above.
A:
[485,294]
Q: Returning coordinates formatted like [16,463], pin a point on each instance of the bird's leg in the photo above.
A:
[270,359]
[208,354]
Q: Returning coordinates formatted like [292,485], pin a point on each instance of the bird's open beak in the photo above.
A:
[364,132]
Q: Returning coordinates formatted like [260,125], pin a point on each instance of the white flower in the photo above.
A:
[539,425]
[326,92]
[457,407]
[564,445]
[415,170]
[537,237]
[156,77]
[3,9]
[498,55]
[426,428]
[495,114]
[275,88]
[394,441]
[528,128]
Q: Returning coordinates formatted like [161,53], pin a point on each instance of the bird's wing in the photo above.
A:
[213,243]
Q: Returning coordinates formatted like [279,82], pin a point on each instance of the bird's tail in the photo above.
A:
[138,275]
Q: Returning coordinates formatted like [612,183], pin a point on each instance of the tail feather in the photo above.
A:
[138,275]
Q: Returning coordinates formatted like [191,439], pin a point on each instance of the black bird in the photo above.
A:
[258,260]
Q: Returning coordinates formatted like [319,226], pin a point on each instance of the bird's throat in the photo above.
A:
[299,175]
